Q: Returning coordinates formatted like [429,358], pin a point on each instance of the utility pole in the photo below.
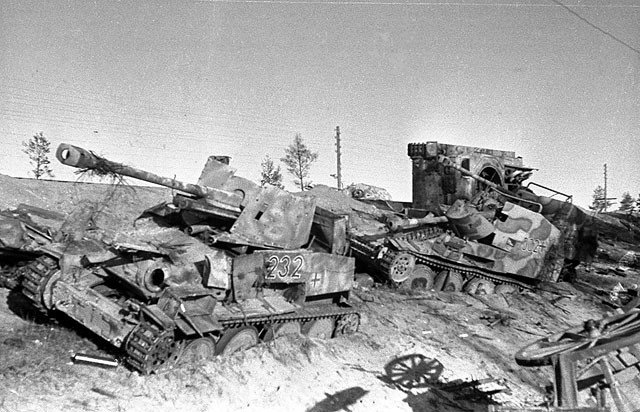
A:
[339,166]
[605,188]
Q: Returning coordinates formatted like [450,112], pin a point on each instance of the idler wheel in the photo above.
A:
[448,281]
[479,286]
[401,267]
[422,278]
[237,339]
[348,324]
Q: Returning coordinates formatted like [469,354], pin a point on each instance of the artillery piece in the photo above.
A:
[223,266]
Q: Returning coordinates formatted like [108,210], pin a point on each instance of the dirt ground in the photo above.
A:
[414,351]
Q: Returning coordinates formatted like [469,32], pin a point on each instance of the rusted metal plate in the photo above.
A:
[215,173]
[329,230]
[276,218]
[94,311]
[528,237]
[272,305]
[321,272]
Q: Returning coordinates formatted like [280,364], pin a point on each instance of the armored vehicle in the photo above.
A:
[486,177]
[26,230]
[472,225]
[460,249]
[221,267]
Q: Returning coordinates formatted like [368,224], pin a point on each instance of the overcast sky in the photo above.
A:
[163,85]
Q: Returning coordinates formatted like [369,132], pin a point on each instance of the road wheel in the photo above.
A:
[505,289]
[422,278]
[237,339]
[479,286]
[319,328]
[287,328]
[448,281]
[198,350]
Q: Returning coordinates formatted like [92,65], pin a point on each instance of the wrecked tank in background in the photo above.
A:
[471,226]
[221,267]
[458,250]
[27,232]
[23,231]
[487,178]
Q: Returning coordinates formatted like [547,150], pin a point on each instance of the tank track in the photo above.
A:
[361,247]
[149,348]
[468,272]
[304,315]
[369,247]
[9,277]
[34,278]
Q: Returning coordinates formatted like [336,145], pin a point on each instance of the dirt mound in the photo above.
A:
[117,205]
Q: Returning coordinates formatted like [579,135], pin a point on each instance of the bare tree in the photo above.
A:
[270,174]
[38,149]
[298,159]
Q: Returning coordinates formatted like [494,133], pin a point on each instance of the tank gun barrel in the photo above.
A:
[532,204]
[396,224]
[447,162]
[83,159]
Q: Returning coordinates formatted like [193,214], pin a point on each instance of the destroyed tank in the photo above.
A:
[224,265]
[472,226]
[444,173]
[22,231]
[27,231]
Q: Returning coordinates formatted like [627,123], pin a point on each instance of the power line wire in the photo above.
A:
[606,33]
[412,3]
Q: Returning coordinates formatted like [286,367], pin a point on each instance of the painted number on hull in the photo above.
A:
[533,245]
[284,266]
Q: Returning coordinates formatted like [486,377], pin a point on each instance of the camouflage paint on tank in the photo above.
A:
[521,244]
[529,239]
[216,258]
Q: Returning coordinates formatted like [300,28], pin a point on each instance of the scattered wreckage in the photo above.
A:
[227,263]
[223,266]
[596,365]
[472,225]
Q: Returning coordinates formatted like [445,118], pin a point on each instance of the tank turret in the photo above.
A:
[223,266]
[254,216]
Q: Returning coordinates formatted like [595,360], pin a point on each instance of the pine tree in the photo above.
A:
[38,149]
[270,174]
[298,159]
[599,203]
[626,203]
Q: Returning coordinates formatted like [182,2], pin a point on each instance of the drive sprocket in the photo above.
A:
[35,276]
[151,349]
